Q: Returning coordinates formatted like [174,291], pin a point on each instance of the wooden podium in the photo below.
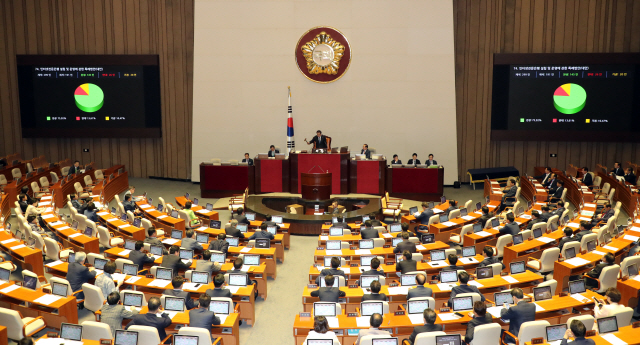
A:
[316,186]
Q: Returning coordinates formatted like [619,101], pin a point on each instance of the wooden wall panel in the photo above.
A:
[104,27]
[485,27]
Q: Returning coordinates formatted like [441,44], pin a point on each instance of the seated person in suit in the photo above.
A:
[577,330]
[365,151]
[551,181]
[75,168]
[423,217]
[405,228]
[368,231]
[511,228]
[129,205]
[630,177]
[405,245]
[202,317]
[193,219]
[248,160]
[272,151]
[535,219]
[220,244]
[486,215]
[617,169]
[479,317]
[407,264]
[155,318]
[263,233]
[375,294]
[453,205]
[453,262]
[267,220]
[189,241]
[396,160]
[523,311]
[568,237]
[177,282]
[237,268]
[585,229]
[587,180]
[373,217]
[334,207]
[130,191]
[508,193]
[240,217]
[545,215]
[206,264]
[232,230]
[218,291]
[112,313]
[375,264]
[319,140]
[608,260]
[91,212]
[173,261]
[152,239]
[78,274]
[74,201]
[464,287]
[430,161]
[375,321]
[341,223]
[321,331]
[489,259]
[559,209]
[414,160]
[606,213]
[334,270]
[430,317]
[420,290]
[613,297]
[328,293]
[139,258]
[556,193]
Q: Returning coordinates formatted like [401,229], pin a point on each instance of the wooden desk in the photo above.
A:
[61,191]
[266,255]
[161,220]
[121,228]
[69,238]
[271,175]
[114,186]
[284,229]
[529,189]
[219,181]
[424,184]
[387,253]
[4,337]
[627,334]
[30,259]
[336,163]
[277,242]
[630,291]
[368,176]
[530,249]
[22,300]
[200,211]
[12,189]
[622,194]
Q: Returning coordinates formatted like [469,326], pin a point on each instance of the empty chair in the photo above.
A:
[454,214]
[19,327]
[552,283]
[17,208]
[531,329]
[120,208]
[233,162]
[64,171]
[147,335]
[545,265]
[502,241]
[29,167]
[92,330]
[427,338]
[573,244]
[78,187]
[82,221]
[91,257]
[434,219]
[458,239]
[99,175]
[16,173]
[467,206]
[587,320]
[44,183]
[204,336]
[92,225]
[497,268]
[54,178]
[474,295]
[54,250]
[7,265]
[93,298]
[488,334]
[108,239]
[36,190]
[3,180]
[88,181]
[117,197]
[585,239]
[623,315]
[526,234]
[164,204]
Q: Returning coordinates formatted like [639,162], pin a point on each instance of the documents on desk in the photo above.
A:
[445,286]
[363,321]
[510,279]
[416,319]
[123,226]
[631,238]
[545,239]
[420,247]
[448,316]
[578,297]
[635,228]
[9,241]
[245,250]
[385,235]
[475,283]
[469,260]
[525,216]
[125,252]
[589,205]
[46,299]
[54,263]
[538,308]
[161,283]
[587,213]
[598,252]
[47,216]
[401,290]
[437,263]
[233,289]
[467,218]
[75,235]
[324,238]
[333,322]
[103,213]
[170,241]
[611,248]
[573,225]
[363,251]
[132,280]
[18,247]
[494,311]
[334,251]
[9,288]
[58,341]
[145,206]
[448,224]
[162,216]
[483,233]
[613,339]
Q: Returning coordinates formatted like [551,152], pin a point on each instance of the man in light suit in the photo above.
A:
[375,321]
[139,258]
[368,232]
[420,290]
[206,264]
[577,330]
[396,160]
[423,218]
[414,160]
[511,228]
[202,317]
[177,291]
[365,151]
[617,169]
[232,230]
[272,151]
[431,161]
[429,325]
[152,319]
[78,274]
[520,313]
[405,245]
[173,261]
[189,242]
[247,160]
[328,293]
[545,176]
[333,271]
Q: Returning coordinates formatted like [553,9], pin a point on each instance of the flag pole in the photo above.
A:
[291,144]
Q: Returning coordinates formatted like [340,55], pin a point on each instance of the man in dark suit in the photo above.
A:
[74,201]
[247,160]
[368,232]
[328,293]
[480,317]
[320,141]
[365,151]
[189,242]
[405,245]
[544,177]
[509,192]
[177,291]
[139,258]
[430,161]
[511,228]
[423,218]
[463,277]
[489,259]
[267,220]
[568,237]
[420,290]
[453,262]
[520,313]
[218,291]
[586,177]
[333,271]
[272,151]
[486,215]
[430,317]
[606,213]
[559,209]
[407,264]
[202,317]
[375,294]
[396,160]
[240,217]
[152,239]
[237,268]
[405,228]
[373,217]
[609,260]
[535,219]
[545,215]
[556,193]
[617,169]
[263,233]
[414,160]
[220,244]
[453,205]
[75,168]
[585,229]
[232,230]
[152,319]
[341,223]
[551,182]
[173,261]
[577,330]
[375,264]
[630,177]
[78,274]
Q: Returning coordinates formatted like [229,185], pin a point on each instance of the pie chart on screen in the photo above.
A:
[569,98]
[89,97]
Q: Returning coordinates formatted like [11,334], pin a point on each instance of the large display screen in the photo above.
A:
[566,97]
[89,95]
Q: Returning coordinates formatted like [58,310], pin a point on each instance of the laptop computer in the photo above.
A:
[417,307]
[264,243]
[233,241]
[537,233]
[4,274]
[449,339]
[517,267]
[276,219]
[200,277]
[484,272]
[408,280]
[132,299]
[517,239]
[365,280]
[242,227]
[70,331]
[448,276]
[577,286]
[320,342]
[99,263]
[477,227]
[542,293]
[160,207]
[501,297]
[393,228]
[221,257]
[607,324]
[252,259]
[462,303]
[174,214]
[478,206]
[59,289]
[632,270]
[88,231]
[174,303]
[238,279]
[369,308]
[365,218]
[179,339]
[413,210]
[437,255]
[176,234]
[164,273]
[137,222]
[556,332]
[130,269]
[202,238]
[395,241]
[469,251]
[570,253]
[219,307]
[443,218]
[335,231]
[155,250]
[130,244]
[186,254]
[334,245]
[365,244]
[72,258]
[324,309]
[591,246]
[495,222]
[428,238]
[209,207]
[272,230]
[215,224]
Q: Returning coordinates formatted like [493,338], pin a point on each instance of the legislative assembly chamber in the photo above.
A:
[381,172]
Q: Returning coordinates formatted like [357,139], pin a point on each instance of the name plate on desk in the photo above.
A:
[305,314]
[401,312]
[320,248]
[312,286]
[353,265]
[386,246]
[352,314]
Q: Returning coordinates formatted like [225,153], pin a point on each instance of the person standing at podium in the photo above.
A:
[414,160]
[365,151]
[320,140]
